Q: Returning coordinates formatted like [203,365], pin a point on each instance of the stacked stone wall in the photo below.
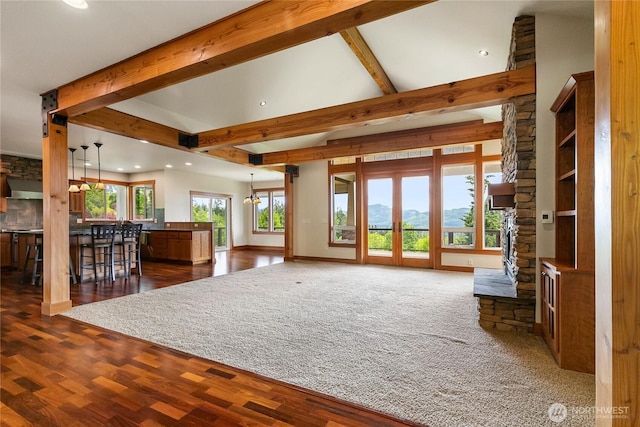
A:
[519,165]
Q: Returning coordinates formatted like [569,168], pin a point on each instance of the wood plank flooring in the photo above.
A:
[59,372]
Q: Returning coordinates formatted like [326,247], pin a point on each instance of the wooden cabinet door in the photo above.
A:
[549,305]
[179,249]
[76,201]
[5,250]
[158,246]
[4,192]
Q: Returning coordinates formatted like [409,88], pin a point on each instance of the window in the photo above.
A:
[492,219]
[269,214]
[458,217]
[343,218]
[108,204]
[142,201]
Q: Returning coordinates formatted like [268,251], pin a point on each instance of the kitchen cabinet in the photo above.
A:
[192,246]
[76,200]
[4,192]
[5,249]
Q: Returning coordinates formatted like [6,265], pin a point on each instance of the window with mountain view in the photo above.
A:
[458,195]
[492,218]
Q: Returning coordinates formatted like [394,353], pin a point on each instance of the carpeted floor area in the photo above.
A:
[401,341]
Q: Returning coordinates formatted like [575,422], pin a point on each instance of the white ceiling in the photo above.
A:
[45,44]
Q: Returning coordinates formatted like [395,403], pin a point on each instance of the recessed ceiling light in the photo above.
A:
[168,166]
[263,103]
[188,164]
[483,52]
[136,166]
[78,4]
[119,169]
[87,164]
[144,141]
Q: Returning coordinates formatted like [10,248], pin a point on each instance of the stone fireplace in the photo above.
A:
[507,298]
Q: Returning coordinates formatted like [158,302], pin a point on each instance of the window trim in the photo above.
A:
[254,221]
[129,189]
[134,184]
[342,169]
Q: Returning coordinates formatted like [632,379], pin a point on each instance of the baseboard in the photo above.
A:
[313,258]
[537,329]
[257,248]
[456,268]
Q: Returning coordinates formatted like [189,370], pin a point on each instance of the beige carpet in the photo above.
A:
[401,341]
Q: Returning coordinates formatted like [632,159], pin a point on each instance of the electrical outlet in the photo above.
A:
[470,261]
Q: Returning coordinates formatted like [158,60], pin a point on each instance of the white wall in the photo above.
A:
[158,177]
[564,46]
[177,201]
[311,200]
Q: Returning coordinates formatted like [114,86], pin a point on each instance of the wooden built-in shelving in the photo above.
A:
[567,281]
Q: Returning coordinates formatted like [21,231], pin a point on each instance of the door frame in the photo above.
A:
[396,169]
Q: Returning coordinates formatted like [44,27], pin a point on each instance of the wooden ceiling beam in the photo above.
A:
[412,139]
[123,124]
[363,52]
[257,31]
[484,91]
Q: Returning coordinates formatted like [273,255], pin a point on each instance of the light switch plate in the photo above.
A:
[546,217]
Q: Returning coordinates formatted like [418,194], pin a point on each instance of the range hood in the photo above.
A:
[24,189]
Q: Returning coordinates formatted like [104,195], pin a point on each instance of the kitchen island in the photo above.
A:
[185,242]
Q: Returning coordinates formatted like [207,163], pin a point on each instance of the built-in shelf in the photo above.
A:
[567,281]
[568,175]
[568,140]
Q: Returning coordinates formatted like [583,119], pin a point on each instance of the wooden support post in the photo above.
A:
[55,292]
[289,218]
[617,223]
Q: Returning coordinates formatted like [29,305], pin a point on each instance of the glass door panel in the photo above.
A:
[415,217]
[398,219]
[380,217]
[220,216]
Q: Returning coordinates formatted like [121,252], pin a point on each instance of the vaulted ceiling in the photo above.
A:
[46,45]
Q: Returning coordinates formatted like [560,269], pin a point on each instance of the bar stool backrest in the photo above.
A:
[131,232]
[103,234]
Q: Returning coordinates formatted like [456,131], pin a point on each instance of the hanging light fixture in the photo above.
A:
[99,185]
[73,188]
[252,198]
[85,185]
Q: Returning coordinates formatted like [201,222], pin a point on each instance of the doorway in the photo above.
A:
[214,208]
[397,217]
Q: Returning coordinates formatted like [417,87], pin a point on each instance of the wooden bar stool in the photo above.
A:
[100,251]
[129,245]
[34,247]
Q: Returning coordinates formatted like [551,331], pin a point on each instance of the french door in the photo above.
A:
[397,214]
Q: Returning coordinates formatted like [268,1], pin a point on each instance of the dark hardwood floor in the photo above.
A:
[60,372]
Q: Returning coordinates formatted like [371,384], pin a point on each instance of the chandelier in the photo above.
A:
[252,198]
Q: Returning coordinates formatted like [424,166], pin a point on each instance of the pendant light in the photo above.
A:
[85,185]
[252,198]
[73,188]
[100,184]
